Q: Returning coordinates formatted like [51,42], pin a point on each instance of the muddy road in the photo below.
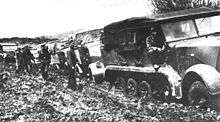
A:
[30,98]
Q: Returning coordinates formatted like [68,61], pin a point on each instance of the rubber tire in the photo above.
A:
[131,82]
[198,91]
[144,85]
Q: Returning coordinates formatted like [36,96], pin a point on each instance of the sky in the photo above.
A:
[32,18]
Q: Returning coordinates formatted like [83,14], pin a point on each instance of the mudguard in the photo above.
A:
[173,78]
[209,75]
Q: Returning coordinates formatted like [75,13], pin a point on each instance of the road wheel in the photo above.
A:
[145,90]
[131,87]
[121,84]
[165,93]
[162,91]
[198,94]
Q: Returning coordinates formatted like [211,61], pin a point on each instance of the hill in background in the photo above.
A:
[26,40]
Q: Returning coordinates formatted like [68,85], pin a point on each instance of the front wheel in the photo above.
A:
[198,94]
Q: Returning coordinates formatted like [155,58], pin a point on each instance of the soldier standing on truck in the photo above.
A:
[44,57]
[72,60]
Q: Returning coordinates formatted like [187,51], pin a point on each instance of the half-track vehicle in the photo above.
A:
[171,56]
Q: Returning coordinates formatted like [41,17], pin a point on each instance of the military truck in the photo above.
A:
[169,56]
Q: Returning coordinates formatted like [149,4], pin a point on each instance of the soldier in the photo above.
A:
[48,57]
[85,61]
[45,59]
[3,78]
[72,60]
[28,57]
[1,48]
[19,60]
[1,58]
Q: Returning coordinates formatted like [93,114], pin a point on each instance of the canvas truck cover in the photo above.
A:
[111,30]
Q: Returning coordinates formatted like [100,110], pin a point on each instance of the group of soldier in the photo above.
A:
[25,63]
[24,60]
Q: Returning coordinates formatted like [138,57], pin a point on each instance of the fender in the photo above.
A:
[173,78]
[209,75]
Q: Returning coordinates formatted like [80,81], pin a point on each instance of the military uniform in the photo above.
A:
[19,61]
[1,58]
[27,56]
[45,59]
[72,60]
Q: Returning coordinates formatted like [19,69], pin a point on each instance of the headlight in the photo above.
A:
[98,65]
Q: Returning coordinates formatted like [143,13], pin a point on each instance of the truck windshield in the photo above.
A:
[179,30]
[208,25]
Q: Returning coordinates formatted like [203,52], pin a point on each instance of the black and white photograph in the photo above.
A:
[109,60]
